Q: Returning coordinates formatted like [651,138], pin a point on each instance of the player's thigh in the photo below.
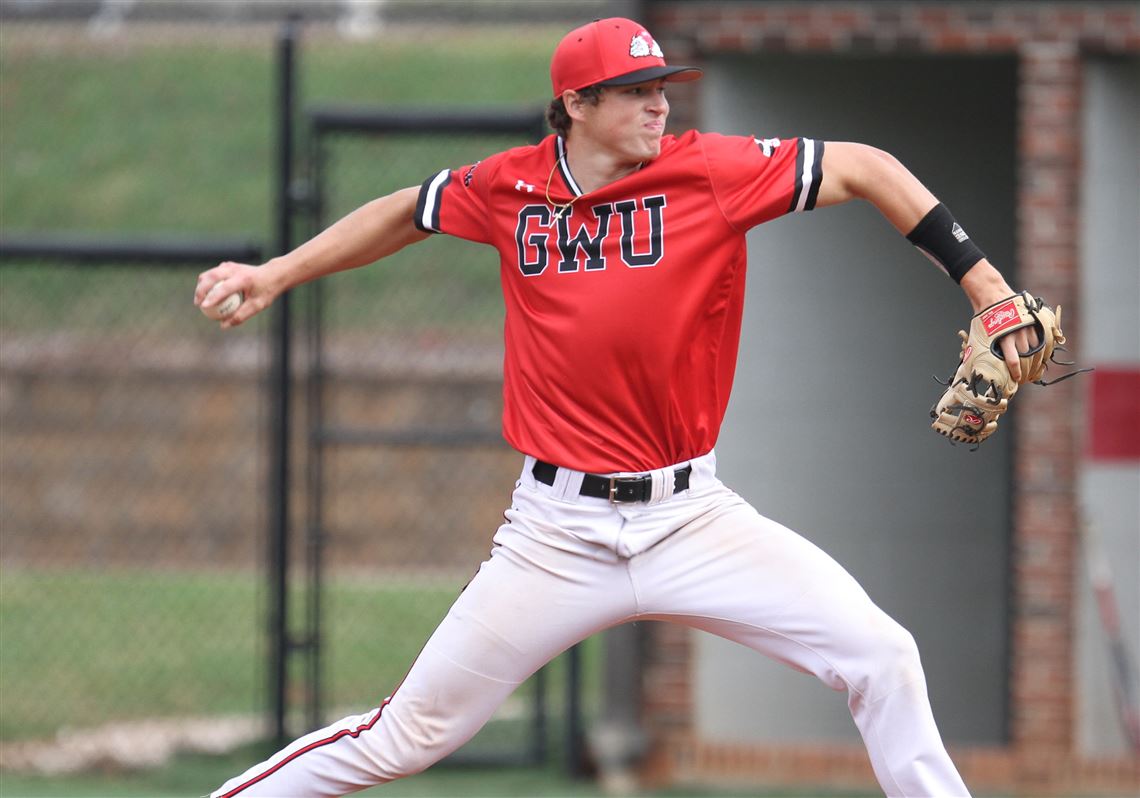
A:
[747,578]
[527,603]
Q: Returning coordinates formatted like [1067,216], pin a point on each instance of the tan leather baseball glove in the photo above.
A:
[979,392]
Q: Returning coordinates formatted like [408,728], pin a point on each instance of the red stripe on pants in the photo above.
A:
[340,735]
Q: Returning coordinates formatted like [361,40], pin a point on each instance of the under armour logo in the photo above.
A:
[521,186]
[767,146]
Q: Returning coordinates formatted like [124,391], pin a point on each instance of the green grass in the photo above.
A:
[177,135]
[83,648]
[137,143]
[175,138]
[80,648]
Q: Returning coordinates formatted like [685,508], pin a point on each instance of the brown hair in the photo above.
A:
[556,115]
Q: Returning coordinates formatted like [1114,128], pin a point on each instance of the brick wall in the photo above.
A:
[1050,41]
[1045,489]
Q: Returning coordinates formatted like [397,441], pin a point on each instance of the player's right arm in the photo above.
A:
[372,232]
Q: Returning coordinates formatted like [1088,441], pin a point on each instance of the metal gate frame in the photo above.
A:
[322,123]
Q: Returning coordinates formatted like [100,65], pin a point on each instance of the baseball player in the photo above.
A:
[622,265]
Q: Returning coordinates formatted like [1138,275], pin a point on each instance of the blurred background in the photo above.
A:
[210,542]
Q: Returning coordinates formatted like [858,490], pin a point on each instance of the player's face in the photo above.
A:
[628,121]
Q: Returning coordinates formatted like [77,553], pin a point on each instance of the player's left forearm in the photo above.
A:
[857,171]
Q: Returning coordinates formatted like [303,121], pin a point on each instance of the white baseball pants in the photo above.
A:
[565,566]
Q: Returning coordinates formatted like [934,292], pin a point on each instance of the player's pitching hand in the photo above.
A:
[1013,346]
[985,287]
[215,285]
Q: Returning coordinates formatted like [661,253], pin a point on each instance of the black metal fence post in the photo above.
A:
[331,123]
[314,454]
[575,737]
[280,404]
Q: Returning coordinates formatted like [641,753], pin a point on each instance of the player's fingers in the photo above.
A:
[1008,346]
[202,288]
[210,278]
[1026,339]
[1031,344]
[221,281]
[253,304]
[243,312]
[206,281]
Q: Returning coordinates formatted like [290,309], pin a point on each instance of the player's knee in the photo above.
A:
[892,661]
[419,745]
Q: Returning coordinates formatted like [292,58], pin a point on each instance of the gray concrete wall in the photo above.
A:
[1109,330]
[828,431]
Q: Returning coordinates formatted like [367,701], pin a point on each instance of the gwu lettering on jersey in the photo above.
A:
[623,304]
[542,235]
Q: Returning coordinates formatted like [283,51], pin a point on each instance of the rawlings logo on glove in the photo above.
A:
[979,392]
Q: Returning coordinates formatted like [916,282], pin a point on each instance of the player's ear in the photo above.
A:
[574,104]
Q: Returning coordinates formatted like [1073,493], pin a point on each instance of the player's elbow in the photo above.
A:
[856,171]
[860,171]
[871,170]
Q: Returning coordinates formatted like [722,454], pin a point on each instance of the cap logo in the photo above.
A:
[642,45]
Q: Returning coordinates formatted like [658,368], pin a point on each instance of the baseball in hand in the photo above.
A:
[224,308]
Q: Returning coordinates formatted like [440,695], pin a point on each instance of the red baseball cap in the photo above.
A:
[611,52]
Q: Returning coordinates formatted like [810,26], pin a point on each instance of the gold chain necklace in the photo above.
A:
[558,208]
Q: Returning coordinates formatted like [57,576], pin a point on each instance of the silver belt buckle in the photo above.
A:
[614,482]
[613,491]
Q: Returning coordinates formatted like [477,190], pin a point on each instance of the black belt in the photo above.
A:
[619,490]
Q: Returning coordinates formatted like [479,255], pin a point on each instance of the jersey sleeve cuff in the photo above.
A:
[427,204]
[809,174]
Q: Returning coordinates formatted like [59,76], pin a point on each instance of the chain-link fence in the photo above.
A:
[132,430]
[407,463]
[132,465]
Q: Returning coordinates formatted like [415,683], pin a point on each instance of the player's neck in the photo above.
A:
[594,167]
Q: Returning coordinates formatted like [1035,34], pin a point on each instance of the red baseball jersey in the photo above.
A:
[623,310]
